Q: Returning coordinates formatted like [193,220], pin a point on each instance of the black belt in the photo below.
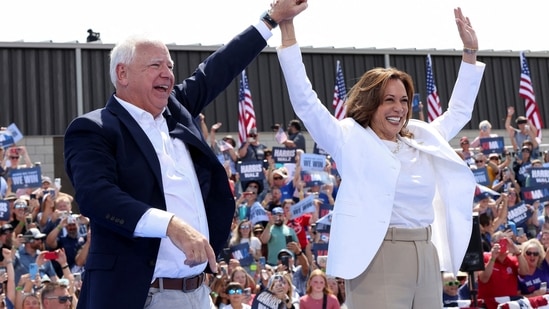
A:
[187,284]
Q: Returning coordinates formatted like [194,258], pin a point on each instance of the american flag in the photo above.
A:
[340,93]
[433,101]
[526,91]
[246,114]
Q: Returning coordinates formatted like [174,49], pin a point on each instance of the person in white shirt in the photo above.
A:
[402,183]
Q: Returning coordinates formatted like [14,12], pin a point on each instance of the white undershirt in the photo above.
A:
[181,190]
[415,189]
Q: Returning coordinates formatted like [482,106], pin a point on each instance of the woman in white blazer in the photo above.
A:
[403,211]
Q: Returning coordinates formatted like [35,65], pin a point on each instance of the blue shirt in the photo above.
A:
[23,260]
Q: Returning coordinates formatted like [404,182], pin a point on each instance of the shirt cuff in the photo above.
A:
[154,223]
[263,30]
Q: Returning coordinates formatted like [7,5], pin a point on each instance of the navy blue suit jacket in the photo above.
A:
[117,178]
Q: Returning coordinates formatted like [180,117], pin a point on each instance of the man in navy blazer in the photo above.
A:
[158,199]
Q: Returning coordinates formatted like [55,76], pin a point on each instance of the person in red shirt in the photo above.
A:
[501,268]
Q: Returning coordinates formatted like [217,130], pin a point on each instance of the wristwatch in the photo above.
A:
[267,18]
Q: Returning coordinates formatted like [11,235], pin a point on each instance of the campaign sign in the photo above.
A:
[267,300]
[536,193]
[539,176]
[318,150]
[241,252]
[250,170]
[4,210]
[319,249]
[519,214]
[324,224]
[481,176]
[304,206]
[311,161]
[26,178]
[15,133]
[6,139]
[315,178]
[492,145]
[284,155]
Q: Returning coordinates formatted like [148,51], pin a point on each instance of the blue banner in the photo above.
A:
[5,210]
[241,252]
[481,177]
[284,155]
[492,145]
[26,178]
[250,170]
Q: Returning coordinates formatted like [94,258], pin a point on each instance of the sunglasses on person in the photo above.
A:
[451,283]
[464,143]
[244,227]
[530,253]
[234,291]
[479,161]
[61,299]
[252,135]
[13,158]
[277,178]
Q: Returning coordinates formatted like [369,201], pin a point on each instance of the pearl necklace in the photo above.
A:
[397,149]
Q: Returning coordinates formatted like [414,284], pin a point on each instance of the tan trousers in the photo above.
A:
[404,274]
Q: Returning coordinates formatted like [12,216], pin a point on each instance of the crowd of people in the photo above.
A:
[241,237]
[44,244]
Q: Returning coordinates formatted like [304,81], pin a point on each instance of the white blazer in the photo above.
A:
[369,172]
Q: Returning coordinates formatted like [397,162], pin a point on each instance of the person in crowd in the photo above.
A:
[450,287]
[225,149]
[252,149]
[280,285]
[129,161]
[529,220]
[505,181]
[521,165]
[377,138]
[243,234]
[296,139]
[525,131]
[236,296]
[279,178]
[247,205]
[466,153]
[55,295]
[491,168]
[14,154]
[538,269]
[71,243]
[485,131]
[319,295]
[218,293]
[502,266]
[273,198]
[33,252]
[338,292]
[277,235]
[244,278]
[300,273]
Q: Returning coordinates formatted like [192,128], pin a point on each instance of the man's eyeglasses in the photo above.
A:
[451,283]
[530,253]
[61,299]
[244,227]
[234,291]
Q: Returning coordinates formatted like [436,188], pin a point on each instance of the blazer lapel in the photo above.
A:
[141,139]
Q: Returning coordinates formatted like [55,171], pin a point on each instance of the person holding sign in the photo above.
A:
[403,185]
